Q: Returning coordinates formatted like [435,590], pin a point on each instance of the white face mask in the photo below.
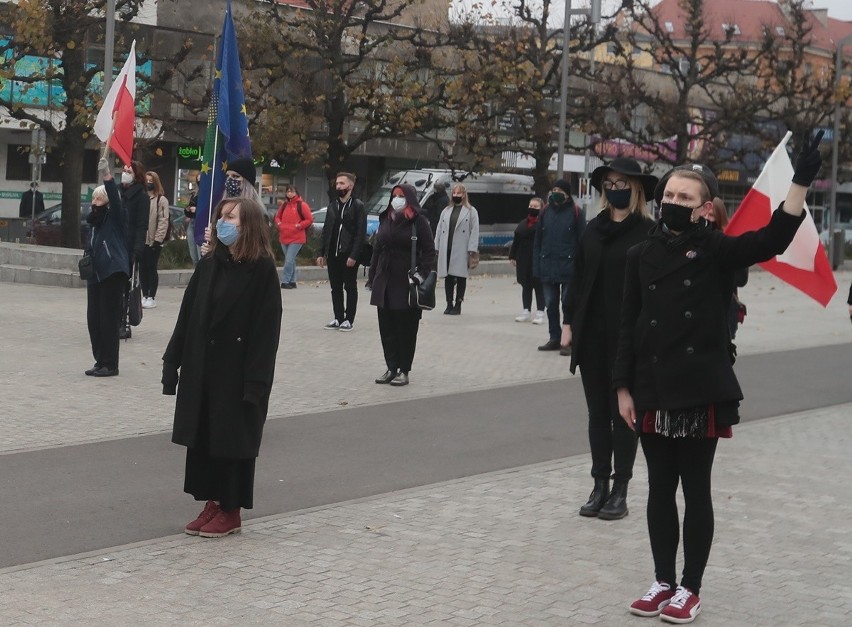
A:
[126,178]
[398,204]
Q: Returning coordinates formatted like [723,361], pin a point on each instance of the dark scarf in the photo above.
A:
[610,229]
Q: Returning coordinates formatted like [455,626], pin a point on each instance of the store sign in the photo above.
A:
[728,176]
[190,153]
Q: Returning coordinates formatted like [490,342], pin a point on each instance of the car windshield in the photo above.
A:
[380,199]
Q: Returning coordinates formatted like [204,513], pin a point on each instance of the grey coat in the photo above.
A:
[465,241]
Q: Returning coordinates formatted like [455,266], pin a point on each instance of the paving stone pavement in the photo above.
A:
[45,400]
[505,548]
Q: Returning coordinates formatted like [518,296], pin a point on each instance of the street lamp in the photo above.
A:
[594,13]
[835,144]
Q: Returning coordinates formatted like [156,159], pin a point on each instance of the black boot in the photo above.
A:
[456,311]
[449,310]
[596,498]
[616,505]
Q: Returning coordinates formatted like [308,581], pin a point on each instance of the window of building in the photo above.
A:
[731,29]
[780,31]
[18,167]
[670,27]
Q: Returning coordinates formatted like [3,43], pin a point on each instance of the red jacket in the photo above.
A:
[292,228]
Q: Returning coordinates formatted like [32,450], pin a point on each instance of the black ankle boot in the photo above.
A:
[596,498]
[616,505]
[449,309]
[456,311]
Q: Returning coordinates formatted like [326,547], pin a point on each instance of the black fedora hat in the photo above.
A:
[702,170]
[628,167]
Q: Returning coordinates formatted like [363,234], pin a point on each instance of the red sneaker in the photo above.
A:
[223,523]
[683,608]
[654,601]
[211,508]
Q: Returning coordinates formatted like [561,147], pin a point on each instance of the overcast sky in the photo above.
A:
[840,9]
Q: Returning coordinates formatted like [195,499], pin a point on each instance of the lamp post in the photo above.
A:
[835,143]
[594,13]
[109,44]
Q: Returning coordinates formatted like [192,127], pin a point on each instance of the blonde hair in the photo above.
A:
[694,176]
[463,190]
[100,192]
[638,202]
[158,186]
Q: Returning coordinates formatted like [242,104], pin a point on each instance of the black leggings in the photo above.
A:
[450,283]
[527,289]
[148,276]
[689,460]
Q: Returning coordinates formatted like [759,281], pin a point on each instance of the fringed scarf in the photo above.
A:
[689,422]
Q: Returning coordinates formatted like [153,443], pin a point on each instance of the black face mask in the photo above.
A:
[618,198]
[457,200]
[150,186]
[533,213]
[342,192]
[96,215]
[676,217]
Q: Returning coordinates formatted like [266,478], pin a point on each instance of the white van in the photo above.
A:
[501,200]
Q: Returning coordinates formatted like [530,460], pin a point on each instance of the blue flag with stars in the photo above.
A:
[227,136]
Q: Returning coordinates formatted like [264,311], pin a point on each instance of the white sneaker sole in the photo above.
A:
[682,621]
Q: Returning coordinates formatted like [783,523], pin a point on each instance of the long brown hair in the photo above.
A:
[158,186]
[253,242]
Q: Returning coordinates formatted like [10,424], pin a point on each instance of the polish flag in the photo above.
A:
[120,102]
[804,264]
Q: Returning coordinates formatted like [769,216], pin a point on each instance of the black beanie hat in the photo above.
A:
[245,168]
[702,170]
[564,185]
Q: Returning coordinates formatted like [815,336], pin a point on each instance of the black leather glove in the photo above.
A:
[170,379]
[157,245]
[809,160]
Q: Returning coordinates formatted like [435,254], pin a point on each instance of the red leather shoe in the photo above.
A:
[223,524]
[211,508]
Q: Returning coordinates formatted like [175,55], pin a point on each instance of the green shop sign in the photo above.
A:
[6,194]
[189,153]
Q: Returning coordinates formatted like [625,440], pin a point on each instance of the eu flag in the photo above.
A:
[227,136]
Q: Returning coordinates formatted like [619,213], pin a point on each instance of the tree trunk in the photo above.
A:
[541,170]
[72,145]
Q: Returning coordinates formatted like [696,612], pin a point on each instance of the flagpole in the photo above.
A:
[212,179]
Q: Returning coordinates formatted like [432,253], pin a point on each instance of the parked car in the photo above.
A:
[846,227]
[319,220]
[48,225]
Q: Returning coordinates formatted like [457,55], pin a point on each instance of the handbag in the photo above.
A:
[421,289]
[366,255]
[472,260]
[134,299]
[86,266]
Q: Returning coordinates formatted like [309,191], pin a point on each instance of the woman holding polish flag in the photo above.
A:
[673,371]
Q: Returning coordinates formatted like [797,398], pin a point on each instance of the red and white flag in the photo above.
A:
[804,264]
[120,101]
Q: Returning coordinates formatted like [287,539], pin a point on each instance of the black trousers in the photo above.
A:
[125,296]
[103,309]
[398,330]
[689,460]
[341,277]
[148,277]
[455,285]
[527,289]
[609,435]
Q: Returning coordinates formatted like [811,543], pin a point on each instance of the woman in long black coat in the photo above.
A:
[594,308]
[224,345]
[388,280]
[521,256]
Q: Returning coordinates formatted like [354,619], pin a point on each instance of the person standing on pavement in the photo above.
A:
[435,204]
[673,370]
[849,301]
[136,202]
[240,181]
[343,235]
[388,280]
[594,310]
[521,256]
[107,248]
[189,222]
[457,241]
[221,363]
[155,237]
[293,220]
[557,236]
[32,202]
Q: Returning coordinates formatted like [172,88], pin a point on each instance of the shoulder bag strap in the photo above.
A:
[414,245]
[299,210]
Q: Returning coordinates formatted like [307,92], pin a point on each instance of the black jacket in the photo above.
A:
[352,228]
[522,251]
[594,301]
[673,345]
[25,209]
[226,352]
[392,259]
[137,203]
